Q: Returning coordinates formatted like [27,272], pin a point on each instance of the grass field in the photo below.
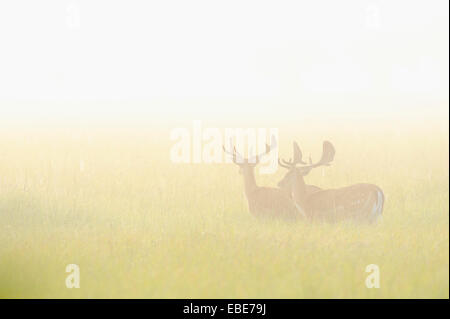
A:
[140,226]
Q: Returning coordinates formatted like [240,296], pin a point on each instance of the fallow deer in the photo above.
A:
[263,201]
[359,202]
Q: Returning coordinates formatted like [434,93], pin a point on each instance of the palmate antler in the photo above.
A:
[327,157]
[297,158]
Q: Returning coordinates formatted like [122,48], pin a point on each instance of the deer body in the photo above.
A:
[272,203]
[264,201]
[359,202]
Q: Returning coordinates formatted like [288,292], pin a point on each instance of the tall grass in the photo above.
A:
[140,226]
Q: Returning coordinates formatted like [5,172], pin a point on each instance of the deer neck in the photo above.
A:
[249,180]
[299,193]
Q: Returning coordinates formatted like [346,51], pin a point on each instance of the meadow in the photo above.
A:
[109,200]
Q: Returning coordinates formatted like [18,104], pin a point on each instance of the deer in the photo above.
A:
[359,202]
[263,201]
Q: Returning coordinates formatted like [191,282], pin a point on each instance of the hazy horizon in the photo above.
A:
[100,60]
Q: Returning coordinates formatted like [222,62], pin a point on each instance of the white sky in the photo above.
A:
[285,52]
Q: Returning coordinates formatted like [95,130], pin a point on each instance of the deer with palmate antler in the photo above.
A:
[263,201]
[359,202]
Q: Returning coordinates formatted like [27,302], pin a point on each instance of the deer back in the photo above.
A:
[360,202]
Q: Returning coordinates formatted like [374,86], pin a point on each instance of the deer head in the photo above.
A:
[296,171]
[246,164]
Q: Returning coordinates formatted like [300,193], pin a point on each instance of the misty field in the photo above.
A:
[139,226]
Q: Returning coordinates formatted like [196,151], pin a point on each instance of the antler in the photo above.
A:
[269,148]
[327,157]
[237,158]
[328,152]
[297,158]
